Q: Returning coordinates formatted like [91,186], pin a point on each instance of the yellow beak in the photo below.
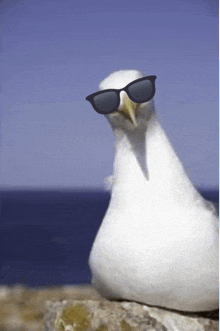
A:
[130,110]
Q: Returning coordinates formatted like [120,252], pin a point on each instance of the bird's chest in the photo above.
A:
[145,231]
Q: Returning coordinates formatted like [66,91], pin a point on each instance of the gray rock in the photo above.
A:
[96,315]
[25,309]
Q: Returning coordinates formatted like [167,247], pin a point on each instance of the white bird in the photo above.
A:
[158,241]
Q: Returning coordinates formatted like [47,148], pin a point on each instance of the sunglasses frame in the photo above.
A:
[90,97]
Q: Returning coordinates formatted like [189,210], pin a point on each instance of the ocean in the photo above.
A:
[46,236]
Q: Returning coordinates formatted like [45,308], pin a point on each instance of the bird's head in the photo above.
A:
[129,115]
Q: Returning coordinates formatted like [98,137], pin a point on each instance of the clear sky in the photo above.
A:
[55,53]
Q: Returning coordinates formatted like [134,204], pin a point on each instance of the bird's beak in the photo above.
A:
[129,109]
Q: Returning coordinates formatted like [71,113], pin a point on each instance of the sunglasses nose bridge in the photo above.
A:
[124,101]
[122,95]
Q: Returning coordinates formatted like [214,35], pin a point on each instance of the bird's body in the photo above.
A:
[158,242]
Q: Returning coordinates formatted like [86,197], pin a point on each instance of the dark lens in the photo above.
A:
[141,91]
[106,102]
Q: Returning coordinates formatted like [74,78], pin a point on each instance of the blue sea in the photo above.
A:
[46,236]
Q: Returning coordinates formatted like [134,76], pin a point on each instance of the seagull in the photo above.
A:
[158,241]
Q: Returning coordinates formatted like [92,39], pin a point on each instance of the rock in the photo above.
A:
[26,309]
[23,308]
[96,315]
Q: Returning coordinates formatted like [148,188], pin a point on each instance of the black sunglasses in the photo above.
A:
[108,101]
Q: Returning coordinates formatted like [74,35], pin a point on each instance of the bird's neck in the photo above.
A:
[146,161]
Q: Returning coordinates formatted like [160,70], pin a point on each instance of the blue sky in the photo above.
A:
[55,53]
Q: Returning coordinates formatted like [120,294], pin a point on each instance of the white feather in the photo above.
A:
[158,242]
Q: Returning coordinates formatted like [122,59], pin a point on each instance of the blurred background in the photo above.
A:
[53,54]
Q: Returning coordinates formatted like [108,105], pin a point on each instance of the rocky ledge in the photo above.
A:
[91,315]
[80,308]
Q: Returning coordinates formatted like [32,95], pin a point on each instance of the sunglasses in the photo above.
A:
[107,101]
